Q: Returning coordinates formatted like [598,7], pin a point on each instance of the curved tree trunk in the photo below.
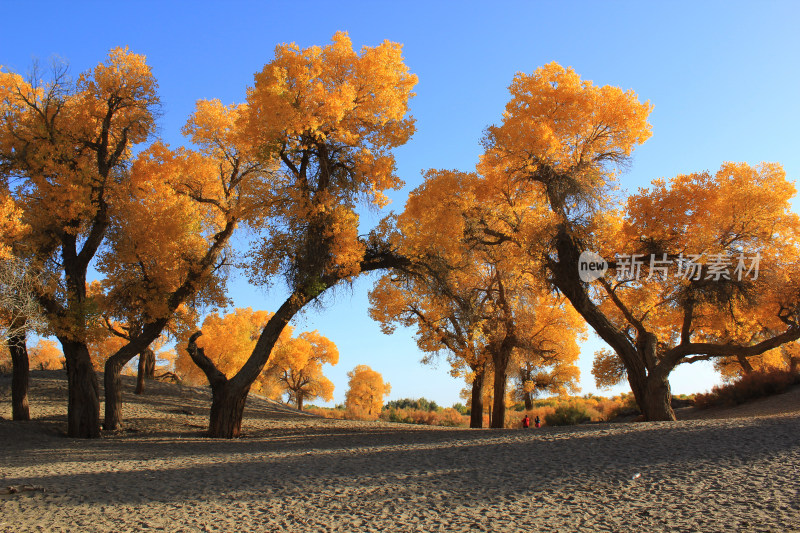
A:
[83,404]
[147,368]
[476,410]
[19,377]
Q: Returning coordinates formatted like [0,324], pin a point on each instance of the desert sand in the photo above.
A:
[725,470]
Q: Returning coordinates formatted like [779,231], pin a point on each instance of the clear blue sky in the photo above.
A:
[723,77]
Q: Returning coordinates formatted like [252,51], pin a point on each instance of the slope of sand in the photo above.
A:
[293,472]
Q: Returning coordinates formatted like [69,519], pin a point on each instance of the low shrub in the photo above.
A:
[748,387]
[568,415]
[326,412]
[444,417]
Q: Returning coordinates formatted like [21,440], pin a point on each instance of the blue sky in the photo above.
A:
[723,78]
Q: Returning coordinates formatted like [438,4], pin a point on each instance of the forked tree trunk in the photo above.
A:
[476,411]
[147,369]
[83,404]
[227,410]
[19,377]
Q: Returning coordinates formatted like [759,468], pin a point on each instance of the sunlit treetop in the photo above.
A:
[331,117]
[566,134]
[738,217]
[67,139]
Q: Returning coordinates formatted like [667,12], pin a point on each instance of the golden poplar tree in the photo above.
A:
[560,146]
[365,393]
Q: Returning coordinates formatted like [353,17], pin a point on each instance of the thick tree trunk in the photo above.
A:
[499,400]
[654,397]
[19,377]
[113,392]
[528,398]
[83,404]
[227,410]
[299,402]
[147,369]
[476,411]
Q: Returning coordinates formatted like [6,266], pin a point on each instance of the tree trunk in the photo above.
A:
[113,393]
[654,397]
[227,410]
[499,400]
[476,409]
[526,375]
[147,369]
[19,377]
[83,404]
[299,402]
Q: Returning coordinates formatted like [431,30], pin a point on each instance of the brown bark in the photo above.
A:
[747,368]
[229,395]
[19,377]
[500,379]
[525,376]
[476,410]
[83,404]
[113,393]
[227,410]
[299,402]
[653,396]
[147,368]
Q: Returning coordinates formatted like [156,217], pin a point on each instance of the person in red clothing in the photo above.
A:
[526,422]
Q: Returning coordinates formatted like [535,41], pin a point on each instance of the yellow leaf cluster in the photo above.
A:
[365,393]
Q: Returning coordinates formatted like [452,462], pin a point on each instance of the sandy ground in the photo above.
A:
[737,471]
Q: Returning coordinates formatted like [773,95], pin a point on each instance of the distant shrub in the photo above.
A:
[327,412]
[420,404]
[748,387]
[461,408]
[568,415]
[443,417]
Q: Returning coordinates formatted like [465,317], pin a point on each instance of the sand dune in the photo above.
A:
[293,472]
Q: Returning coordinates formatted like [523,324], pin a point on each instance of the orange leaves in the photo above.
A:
[45,356]
[297,366]
[739,210]
[295,363]
[332,94]
[330,116]
[365,393]
[122,88]
[11,226]
[566,134]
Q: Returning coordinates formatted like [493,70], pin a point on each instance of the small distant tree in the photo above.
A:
[364,397]
[297,367]
[45,355]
